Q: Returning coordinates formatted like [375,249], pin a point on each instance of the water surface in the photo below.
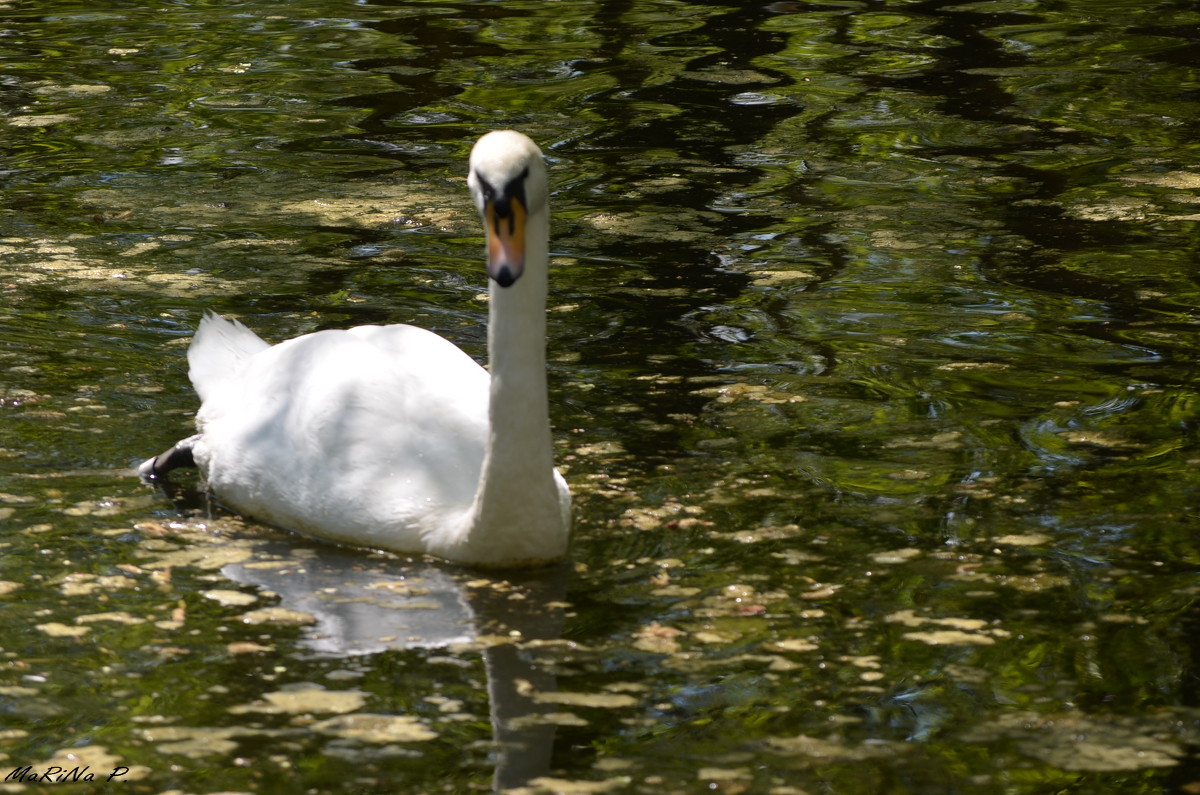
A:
[872,341]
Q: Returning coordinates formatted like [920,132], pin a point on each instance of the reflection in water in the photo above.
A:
[363,605]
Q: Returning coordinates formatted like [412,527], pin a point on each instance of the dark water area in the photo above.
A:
[872,341]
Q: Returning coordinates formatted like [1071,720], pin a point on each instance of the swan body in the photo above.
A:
[392,437]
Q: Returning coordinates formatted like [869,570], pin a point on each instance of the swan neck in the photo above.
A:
[518,505]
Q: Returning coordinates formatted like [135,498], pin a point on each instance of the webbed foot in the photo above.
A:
[153,471]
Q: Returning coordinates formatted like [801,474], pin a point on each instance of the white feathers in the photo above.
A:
[391,436]
[209,369]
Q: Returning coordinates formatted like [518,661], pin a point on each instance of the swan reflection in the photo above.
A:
[367,605]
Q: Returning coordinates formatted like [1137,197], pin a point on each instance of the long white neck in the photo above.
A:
[518,512]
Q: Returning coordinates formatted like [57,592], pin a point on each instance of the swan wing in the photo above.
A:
[373,436]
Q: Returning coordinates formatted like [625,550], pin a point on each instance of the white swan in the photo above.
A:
[391,437]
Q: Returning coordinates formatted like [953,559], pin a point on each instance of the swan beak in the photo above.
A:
[505,240]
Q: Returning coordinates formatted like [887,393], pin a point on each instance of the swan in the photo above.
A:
[391,437]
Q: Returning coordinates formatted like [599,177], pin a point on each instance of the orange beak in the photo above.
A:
[505,242]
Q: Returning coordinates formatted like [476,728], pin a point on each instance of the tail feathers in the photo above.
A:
[217,352]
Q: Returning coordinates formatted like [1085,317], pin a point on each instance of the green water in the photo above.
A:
[873,333]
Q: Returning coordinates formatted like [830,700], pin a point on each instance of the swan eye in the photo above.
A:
[485,193]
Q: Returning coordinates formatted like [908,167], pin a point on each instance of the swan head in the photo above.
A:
[508,182]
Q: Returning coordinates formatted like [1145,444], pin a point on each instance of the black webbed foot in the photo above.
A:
[154,471]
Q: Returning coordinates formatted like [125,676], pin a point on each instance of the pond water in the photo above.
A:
[873,332]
